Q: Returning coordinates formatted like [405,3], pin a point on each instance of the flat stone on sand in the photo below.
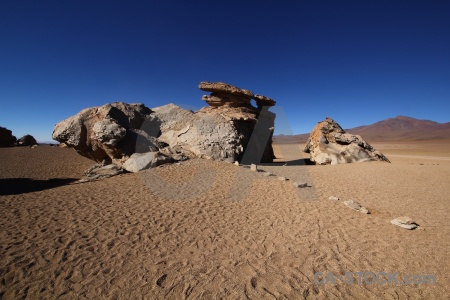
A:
[356,206]
[333,198]
[300,184]
[404,222]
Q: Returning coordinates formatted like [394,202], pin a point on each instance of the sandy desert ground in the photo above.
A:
[212,230]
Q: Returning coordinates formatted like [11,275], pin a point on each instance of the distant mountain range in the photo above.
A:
[392,129]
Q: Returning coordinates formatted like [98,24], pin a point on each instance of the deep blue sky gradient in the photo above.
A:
[356,61]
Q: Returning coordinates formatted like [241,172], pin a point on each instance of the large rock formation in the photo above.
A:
[26,140]
[114,132]
[6,137]
[330,144]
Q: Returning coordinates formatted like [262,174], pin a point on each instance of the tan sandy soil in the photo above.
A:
[211,230]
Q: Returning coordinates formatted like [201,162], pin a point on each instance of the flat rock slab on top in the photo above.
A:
[264,100]
[224,94]
[222,87]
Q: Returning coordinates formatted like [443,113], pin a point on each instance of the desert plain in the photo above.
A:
[205,229]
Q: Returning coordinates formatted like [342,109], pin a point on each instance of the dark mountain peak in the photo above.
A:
[405,118]
[403,127]
[410,119]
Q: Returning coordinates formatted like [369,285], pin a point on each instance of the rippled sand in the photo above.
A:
[211,230]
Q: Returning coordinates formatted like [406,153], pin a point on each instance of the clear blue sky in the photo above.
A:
[356,61]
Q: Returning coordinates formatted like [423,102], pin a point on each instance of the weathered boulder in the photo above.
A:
[141,161]
[106,133]
[6,137]
[328,143]
[26,140]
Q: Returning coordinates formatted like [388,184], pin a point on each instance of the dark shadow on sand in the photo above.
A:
[14,186]
[296,162]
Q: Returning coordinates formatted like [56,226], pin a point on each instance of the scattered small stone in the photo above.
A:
[333,198]
[34,146]
[267,174]
[236,163]
[404,222]
[253,167]
[356,206]
[282,178]
[300,184]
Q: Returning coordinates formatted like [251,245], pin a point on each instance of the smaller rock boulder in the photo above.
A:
[142,161]
[330,144]
[26,140]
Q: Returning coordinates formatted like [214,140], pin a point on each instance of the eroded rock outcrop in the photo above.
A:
[113,133]
[330,144]
[6,137]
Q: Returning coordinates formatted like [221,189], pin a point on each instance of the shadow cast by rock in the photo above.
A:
[296,162]
[14,186]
